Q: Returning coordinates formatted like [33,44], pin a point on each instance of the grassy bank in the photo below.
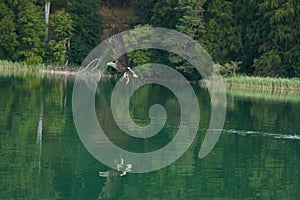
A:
[22,67]
[263,83]
[4,64]
[243,82]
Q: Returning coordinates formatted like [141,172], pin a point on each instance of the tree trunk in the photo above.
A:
[47,13]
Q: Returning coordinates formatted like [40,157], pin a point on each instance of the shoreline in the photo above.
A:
[261,88]
[58,72]
[229,83]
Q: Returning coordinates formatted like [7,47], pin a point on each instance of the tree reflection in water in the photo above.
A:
[112,184]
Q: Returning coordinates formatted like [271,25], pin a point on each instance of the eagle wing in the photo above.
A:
[118,48]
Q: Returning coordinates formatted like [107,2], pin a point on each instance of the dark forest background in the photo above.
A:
[251,37]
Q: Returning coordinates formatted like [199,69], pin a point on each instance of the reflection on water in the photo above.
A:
[41,156]
[269,95]
[39,138]
[111,186]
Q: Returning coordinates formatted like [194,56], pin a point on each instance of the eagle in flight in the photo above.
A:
[117,44]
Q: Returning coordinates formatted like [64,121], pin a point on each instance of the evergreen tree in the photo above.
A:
[144,56]
[87,23]
[263,35]
[191,23]
[31,32]
[248,26]
[280,47]
[157,13]
[144,9]
[61,32]
[8,36]
[223,39]
[164,14]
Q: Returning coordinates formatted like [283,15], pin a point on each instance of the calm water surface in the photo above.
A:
[42,157]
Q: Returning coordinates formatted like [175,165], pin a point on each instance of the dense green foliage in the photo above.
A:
[87,22]
[73,30]
[62,29]
[262,36]
[7,32]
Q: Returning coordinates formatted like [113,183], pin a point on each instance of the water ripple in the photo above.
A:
[257,133]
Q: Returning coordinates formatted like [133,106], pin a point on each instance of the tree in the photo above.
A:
[87,23]
[31,30]
[279,50]
[190,23]
[263,35]
[164,14]
[144,56]
[61,31]
[223,39]
[8,35]
[47,15]
[144,9]
[268,64]
[247,25]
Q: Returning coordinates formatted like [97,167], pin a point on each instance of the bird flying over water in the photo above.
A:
[117,44]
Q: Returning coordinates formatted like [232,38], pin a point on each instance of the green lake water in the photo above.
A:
[42,157]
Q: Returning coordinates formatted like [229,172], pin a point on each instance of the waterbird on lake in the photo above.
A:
[121,170]
[117,44]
